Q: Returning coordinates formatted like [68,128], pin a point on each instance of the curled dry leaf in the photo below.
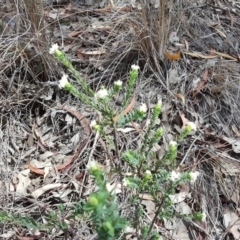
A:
[37,193]
[180,96]
[185,121]
[35,170]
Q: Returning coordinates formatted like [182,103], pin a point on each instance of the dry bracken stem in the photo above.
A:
[162,26]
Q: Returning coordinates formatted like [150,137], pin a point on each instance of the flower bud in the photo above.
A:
[148,175]
[191,127]
[92,202]
[93,167]
[94,126]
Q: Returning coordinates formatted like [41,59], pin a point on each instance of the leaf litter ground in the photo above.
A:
[46,141]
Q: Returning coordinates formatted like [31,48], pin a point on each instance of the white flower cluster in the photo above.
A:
[63,82]
[143,108]
[173,143]
[135,67]
[92,166]
[118,83]
[101,94]
[54,48]
[192,126]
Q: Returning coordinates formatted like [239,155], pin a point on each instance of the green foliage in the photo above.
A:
[148,174]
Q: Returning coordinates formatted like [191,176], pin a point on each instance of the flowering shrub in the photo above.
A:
[161,176]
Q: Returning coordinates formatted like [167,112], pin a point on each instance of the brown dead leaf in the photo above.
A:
[185,121]
[79,176]
[180,96]
[80,54]
[74,33]
[35,170]
[65,164]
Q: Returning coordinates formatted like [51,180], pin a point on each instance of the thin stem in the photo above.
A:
[155,217]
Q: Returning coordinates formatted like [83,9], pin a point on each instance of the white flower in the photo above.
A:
[204,217]
[118,83]
[93,123]
[64,81]
[143,108]
[192,126]
[54,48]
[159,102]
[173,143]
[175,176]
[92,166]
[135,67]
[102,93]
[148,173]
[194,176]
